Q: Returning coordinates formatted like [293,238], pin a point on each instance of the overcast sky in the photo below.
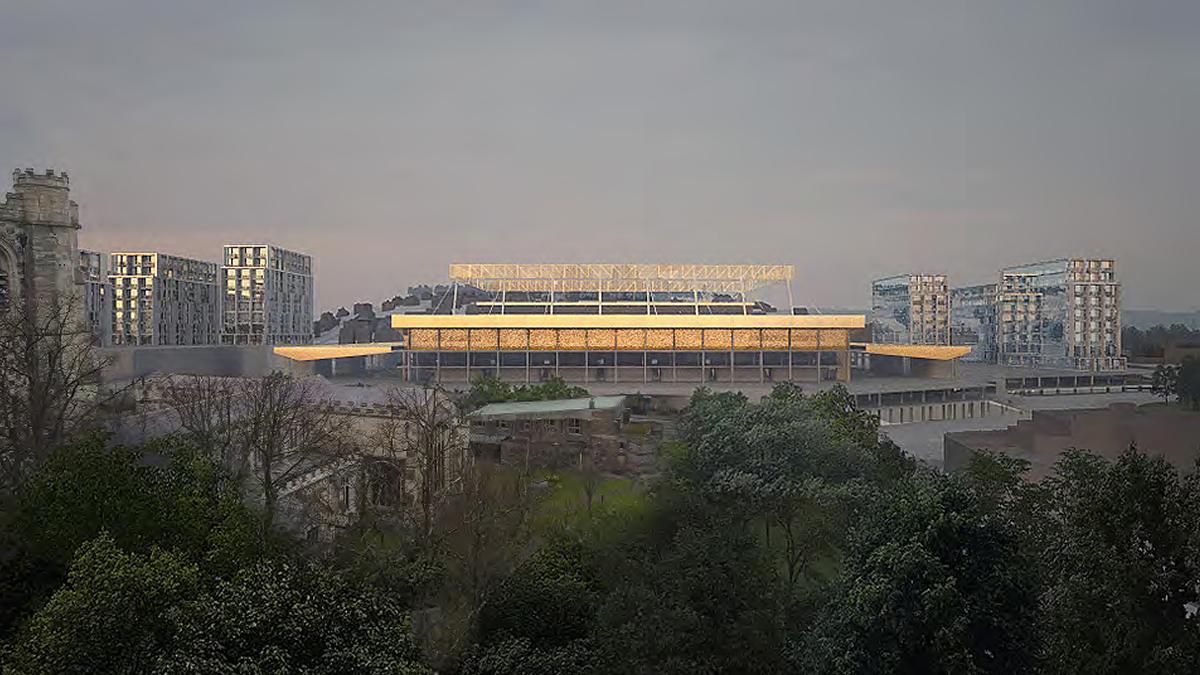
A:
[852,140]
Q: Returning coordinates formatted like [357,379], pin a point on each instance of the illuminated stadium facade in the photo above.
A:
[618,323]
[623,323]
[626,348]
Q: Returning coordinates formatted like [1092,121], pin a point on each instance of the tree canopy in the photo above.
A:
[784,535]
[485,390]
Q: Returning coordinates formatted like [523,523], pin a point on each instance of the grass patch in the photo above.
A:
[577,500]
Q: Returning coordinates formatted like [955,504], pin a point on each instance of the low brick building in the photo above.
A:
[597,432]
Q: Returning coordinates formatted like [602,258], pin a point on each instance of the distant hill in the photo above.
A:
[1148,318]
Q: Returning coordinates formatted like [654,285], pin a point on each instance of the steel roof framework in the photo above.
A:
[619,277]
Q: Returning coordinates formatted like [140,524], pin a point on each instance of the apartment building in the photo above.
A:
[1060,313]
[973,321]
[161,299]
[96,296]
[911,309]
[268,295]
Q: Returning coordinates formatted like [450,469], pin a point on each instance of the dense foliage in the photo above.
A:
[144,560]
[1151,342]
[1181,382]
[784,536]
[486,390]
[788,537]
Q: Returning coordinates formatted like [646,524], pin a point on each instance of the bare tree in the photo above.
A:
[50,384]
[208,409]
[482,533]
[268,431]
[421,436]
[289,426]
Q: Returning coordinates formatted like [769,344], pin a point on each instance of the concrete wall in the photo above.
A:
[213,360]
[936,412]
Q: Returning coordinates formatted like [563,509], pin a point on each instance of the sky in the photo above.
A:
[853,140]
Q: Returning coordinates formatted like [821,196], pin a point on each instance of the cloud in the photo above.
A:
[848,139]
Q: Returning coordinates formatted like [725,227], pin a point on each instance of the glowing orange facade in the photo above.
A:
[590,348]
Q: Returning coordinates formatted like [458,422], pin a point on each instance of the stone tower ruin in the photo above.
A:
[39,251]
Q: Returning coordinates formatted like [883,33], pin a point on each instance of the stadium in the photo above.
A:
[631,323]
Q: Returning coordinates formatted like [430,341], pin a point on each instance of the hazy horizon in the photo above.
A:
[853,141]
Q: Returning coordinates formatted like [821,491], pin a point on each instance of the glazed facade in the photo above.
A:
[911,309]
[1061,313]
[973,321]
[268,296]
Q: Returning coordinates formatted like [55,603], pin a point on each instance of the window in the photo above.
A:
[575,426]
[5,280]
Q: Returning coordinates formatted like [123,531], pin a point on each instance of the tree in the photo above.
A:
[932,582]
[289,426]
[1153,341]
[699,600]
[519,656]
[163,494]
[1187,385]
[279,615]
[421,433]
[1119,559]
[481,534]
[50,384]
[550,599]
[208,409]
[860,429]
[267,430]
[110,617]
[784,463]
[124,612]
[1165,381]
[487,389]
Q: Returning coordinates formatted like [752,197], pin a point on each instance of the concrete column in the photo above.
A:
[843,366]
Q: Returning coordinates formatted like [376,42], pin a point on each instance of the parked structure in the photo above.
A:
[268,296]
[161,299]
[39,251]
[96,296]
[973,321]
[1061,313]
[911,309]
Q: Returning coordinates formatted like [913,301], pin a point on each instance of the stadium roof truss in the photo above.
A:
[619,277]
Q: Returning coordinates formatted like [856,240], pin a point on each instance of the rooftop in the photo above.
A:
[549,407]
[576,321]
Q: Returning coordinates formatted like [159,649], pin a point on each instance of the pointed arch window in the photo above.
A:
[6,276]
